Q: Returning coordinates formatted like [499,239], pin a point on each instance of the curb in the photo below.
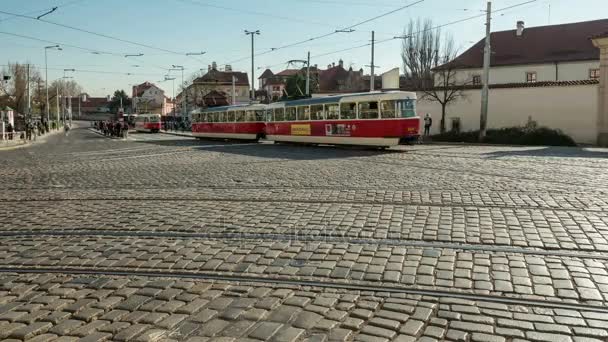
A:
[178,134]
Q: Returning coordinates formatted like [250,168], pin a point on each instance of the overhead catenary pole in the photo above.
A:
[233,90]
[485,91]
[308,75]
[29,96]
[373,67]
[252,34]
[46,81]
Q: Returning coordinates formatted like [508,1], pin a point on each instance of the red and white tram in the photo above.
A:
[148,123]
[380,119]
[231,122]
[372,119]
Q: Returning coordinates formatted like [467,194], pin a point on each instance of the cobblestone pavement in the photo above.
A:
[167,238]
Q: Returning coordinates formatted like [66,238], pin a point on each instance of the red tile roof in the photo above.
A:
[266,74]
[224,78]
[537,45]
[526,85]
[288,72]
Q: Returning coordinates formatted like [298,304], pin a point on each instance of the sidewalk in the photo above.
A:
[19,143]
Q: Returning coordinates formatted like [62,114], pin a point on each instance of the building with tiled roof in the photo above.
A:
[545,53]
[216,82]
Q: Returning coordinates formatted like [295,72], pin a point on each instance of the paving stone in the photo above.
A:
[265,330]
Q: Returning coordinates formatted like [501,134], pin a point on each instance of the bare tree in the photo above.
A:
[428,57]
[15,89]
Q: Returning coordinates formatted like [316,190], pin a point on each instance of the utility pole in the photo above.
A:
[184,92]
[485,92]
[57,102]
[46,81]
[233,90]
[372,78]
[252,34]
[308,75]
[29,97]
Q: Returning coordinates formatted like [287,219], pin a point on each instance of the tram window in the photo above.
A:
[316,112]
[290,114]
[279,114]
[249,116]
[230,116]
[368,110]
[333,111]
[348,111]
[304,113]
[259,116]
[240,116]
[388,109]
[406,108]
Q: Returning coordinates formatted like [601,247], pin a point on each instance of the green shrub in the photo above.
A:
[541,136]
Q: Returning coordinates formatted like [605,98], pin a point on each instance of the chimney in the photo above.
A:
[214,66]
[341,63]
[520,28]
[333,64]
[109,98]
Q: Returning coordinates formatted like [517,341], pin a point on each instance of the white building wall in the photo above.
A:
[572,109]
[571,71]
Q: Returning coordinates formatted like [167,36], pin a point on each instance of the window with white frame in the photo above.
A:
[594,74]
[531,76]
[476,79]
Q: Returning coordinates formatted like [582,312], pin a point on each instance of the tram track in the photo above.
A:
[348,286]
[302,201]
[324,238]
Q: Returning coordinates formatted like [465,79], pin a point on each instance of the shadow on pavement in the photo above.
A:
[560,152]
[276,151]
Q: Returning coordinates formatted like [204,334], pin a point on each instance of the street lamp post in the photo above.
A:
[46,81]
[252,34]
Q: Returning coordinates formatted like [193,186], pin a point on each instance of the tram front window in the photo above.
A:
[406,108]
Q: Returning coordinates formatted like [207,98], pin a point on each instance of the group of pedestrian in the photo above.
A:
[112,128]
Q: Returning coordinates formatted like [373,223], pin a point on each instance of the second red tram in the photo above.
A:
[231,122]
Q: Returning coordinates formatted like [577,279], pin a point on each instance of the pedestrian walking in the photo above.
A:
[9,129]
[428,122]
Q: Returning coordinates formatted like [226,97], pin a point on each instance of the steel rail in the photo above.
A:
[303,201]
[312,283]
[328,238]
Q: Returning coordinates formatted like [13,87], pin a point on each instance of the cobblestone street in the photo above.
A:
[167,238]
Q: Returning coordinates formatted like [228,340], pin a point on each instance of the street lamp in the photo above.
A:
[252,34]
[46,80]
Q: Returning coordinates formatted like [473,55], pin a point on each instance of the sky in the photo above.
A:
[164,31]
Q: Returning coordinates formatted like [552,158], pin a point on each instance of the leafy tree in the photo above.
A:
[115,101]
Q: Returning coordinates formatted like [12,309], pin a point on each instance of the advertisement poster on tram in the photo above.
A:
[339,130]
